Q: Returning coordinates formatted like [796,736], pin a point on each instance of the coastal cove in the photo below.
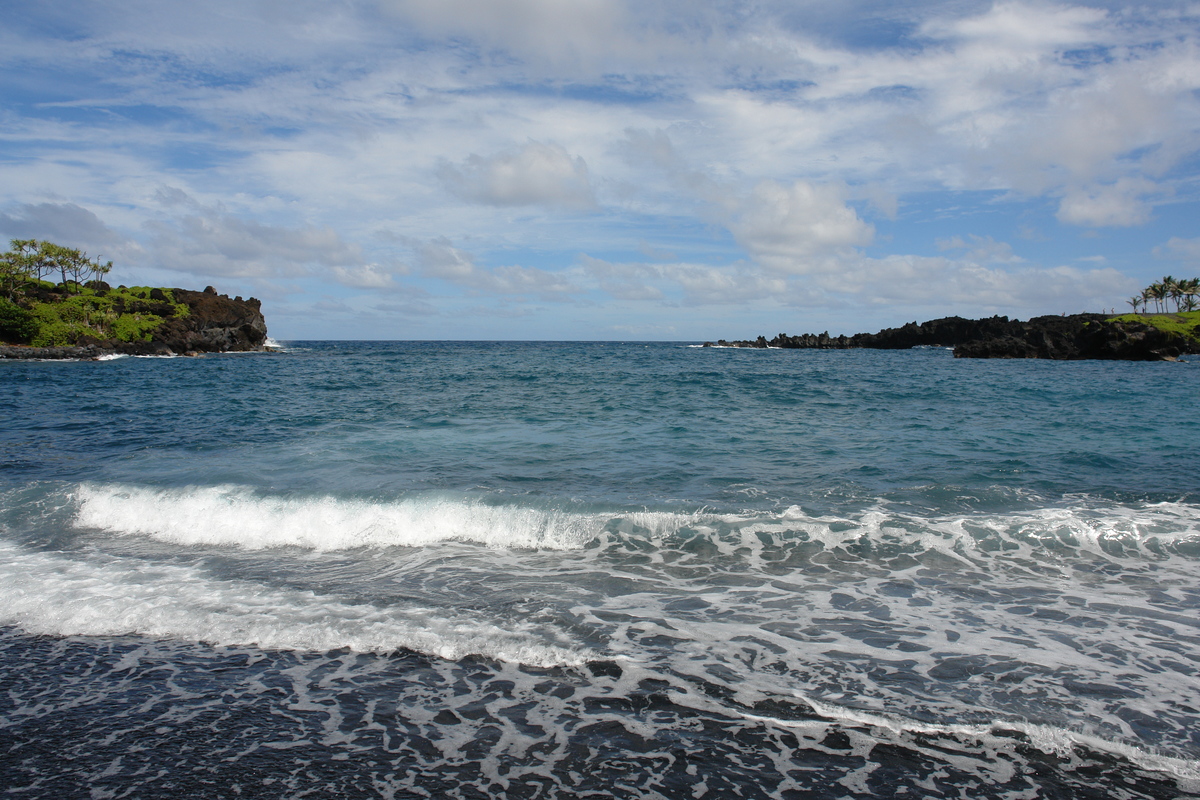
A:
[561,569]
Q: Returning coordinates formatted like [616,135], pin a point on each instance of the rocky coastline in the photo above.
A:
[1067,337]
[213,323]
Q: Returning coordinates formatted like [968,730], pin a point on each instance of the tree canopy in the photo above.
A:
[32,260]
[1183,292]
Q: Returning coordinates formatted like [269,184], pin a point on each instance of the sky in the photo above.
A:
[679,170]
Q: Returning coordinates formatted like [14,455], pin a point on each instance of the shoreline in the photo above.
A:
[93,353]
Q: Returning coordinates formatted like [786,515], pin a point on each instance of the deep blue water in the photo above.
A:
[453,569]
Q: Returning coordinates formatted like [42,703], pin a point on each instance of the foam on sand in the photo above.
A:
[55,595]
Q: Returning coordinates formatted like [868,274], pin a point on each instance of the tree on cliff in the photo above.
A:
[31,259]
[1190,289]
[1183,291]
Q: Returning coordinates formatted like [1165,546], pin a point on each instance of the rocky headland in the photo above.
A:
[1077,336]
[172,322]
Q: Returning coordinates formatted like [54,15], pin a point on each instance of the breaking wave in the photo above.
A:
[248,519]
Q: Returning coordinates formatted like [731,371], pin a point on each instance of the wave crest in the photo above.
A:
[228,515]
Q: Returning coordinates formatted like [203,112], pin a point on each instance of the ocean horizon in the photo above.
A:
[635,569]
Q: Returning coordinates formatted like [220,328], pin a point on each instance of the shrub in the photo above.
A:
[57,334]
[60,324]
[16,324]
[134,327]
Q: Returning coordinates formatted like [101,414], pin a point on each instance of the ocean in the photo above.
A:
[606,570]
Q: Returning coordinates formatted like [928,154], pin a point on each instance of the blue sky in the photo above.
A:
[603,169]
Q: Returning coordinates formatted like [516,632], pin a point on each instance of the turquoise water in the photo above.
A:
[618,569]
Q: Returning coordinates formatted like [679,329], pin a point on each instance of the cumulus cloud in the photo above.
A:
[787,227]
[1120,204]
[368,276]
[538,173]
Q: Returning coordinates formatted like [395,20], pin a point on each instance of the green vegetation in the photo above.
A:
[30,259]
[1184,323]
[1183,292]
[44,314]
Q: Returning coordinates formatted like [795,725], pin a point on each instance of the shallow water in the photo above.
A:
[632,570]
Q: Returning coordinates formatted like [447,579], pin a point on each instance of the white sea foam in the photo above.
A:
[229,515]
[275,346]
[1154,531]
[248,519]
[60,596]
[112,357]
[1046,738]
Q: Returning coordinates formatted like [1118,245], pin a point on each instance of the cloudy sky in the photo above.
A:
[610,169]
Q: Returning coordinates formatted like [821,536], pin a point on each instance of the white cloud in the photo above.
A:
[788,227]
[736,143]
[538,173]
[368,276]
[980,249]
[1120,204]
[940,286]
[705,285]
[564,32]
[212,241]
[440,259]
[1022,28]
[624,281]
[988,277]
[1183,249]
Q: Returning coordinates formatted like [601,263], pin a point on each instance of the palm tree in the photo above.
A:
[1171,289]
[1189,288]
[1135,301]
[1158,293]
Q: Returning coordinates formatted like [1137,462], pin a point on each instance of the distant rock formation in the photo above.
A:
[215,324]
[1079,336]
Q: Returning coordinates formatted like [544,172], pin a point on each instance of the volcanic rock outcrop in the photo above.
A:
[1078,336]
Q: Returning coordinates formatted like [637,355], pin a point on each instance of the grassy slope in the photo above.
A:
[1186,323]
